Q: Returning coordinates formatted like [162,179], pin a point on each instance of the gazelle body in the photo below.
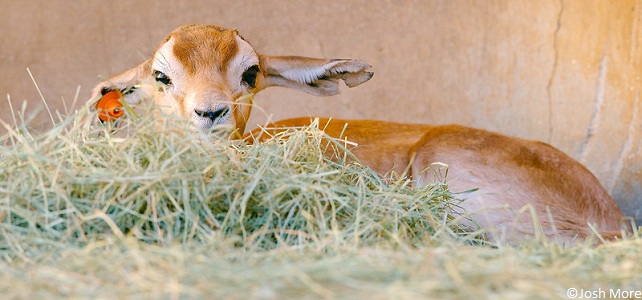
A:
[209,74]
[514,177]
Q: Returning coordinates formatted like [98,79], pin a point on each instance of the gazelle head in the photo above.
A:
[208,74]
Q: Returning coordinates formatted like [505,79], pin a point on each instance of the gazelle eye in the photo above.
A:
[249,76]
[162,78]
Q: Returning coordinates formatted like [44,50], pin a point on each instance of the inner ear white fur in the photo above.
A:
[315,76]
[310,73]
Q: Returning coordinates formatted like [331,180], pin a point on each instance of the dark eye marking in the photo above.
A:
[162,78]
[125,91]
[129,90]
[249,76]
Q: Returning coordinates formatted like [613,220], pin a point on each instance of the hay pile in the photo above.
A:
[157,211]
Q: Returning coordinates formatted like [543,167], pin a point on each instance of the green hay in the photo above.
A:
[158,211]
[169,184]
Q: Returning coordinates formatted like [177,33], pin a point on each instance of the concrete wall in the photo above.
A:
[565,72]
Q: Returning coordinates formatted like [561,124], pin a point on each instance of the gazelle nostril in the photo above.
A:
[212,115]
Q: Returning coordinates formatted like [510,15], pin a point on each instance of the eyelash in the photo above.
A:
[162,78]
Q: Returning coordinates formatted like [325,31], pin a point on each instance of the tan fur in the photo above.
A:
[198,54]
[514,176]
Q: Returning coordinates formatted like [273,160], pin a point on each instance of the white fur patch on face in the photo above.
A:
[144,90]
[243,60]
[165,61]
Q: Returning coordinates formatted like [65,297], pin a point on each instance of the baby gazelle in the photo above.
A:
[208,74]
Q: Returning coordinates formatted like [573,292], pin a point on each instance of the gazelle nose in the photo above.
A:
[212,115]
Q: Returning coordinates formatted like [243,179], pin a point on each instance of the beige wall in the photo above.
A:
[565,72]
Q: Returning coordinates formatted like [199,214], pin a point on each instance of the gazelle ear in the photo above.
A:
[129,83]
[318,77]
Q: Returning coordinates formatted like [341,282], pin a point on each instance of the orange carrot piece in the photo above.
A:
[109,106]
